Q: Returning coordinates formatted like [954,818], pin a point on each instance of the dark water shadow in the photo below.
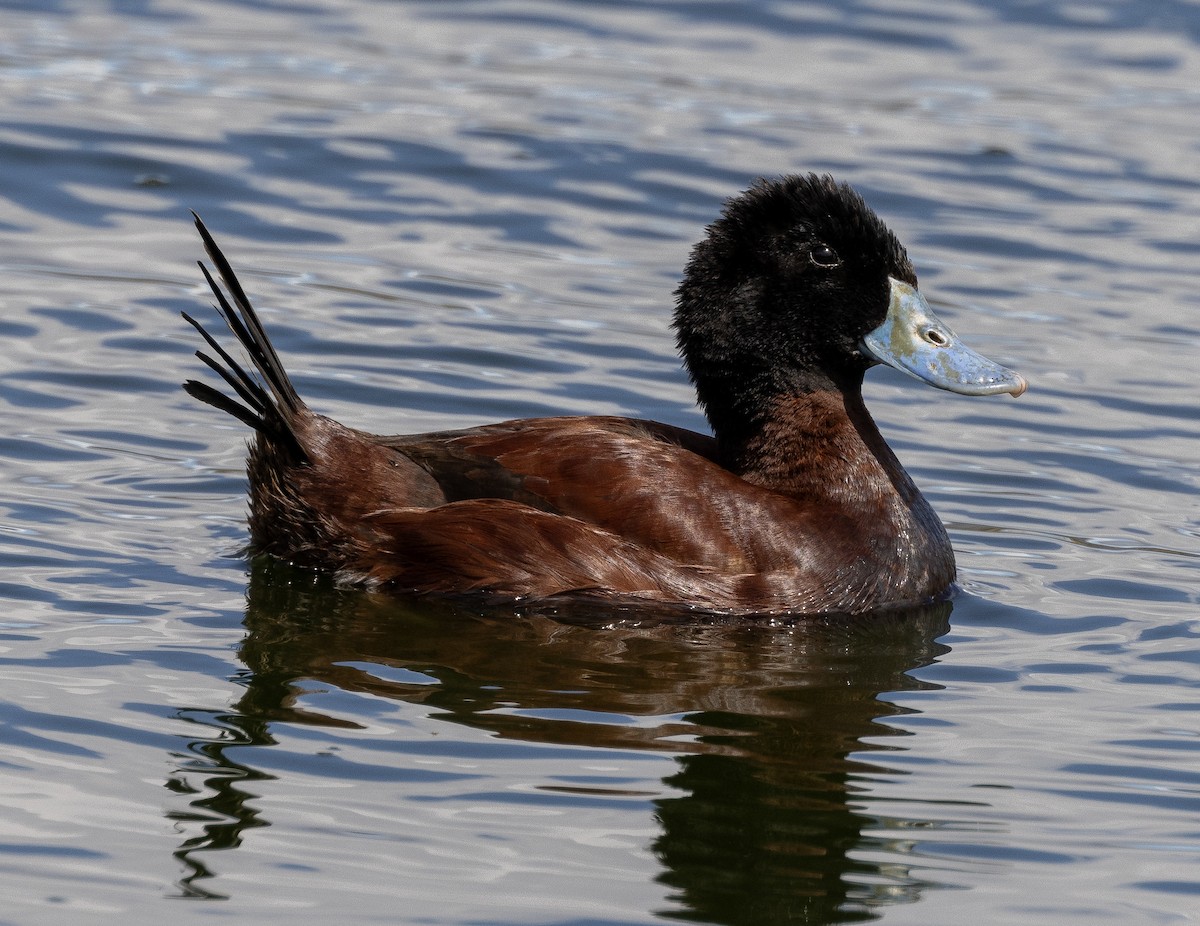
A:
[776,728]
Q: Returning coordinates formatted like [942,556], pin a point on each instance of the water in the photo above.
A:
[454,213]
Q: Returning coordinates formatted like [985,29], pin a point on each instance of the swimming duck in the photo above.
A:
[794,504]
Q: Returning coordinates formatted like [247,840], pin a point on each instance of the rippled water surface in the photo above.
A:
[454,212]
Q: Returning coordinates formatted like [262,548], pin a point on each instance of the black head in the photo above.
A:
[776,299]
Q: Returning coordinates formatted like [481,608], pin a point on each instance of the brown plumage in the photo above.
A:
[795,505]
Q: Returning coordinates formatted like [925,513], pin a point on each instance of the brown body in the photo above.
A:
[610,508]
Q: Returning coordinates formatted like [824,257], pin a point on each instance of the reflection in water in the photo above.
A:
[222,810]
[769,723]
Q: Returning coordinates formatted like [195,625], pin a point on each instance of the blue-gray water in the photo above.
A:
[454,212]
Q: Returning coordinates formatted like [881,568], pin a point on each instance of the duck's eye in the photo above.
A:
[824,256]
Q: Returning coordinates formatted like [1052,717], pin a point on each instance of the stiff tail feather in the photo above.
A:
[269,402]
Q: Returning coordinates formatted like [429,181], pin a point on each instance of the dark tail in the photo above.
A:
[269,401]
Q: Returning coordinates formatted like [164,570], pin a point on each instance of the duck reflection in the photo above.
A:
[774,725]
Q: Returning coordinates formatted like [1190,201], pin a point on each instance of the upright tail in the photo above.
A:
[269,401]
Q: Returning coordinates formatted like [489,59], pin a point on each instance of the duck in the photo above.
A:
[793,504]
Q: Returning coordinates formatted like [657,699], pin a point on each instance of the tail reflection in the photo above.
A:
[223,811]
